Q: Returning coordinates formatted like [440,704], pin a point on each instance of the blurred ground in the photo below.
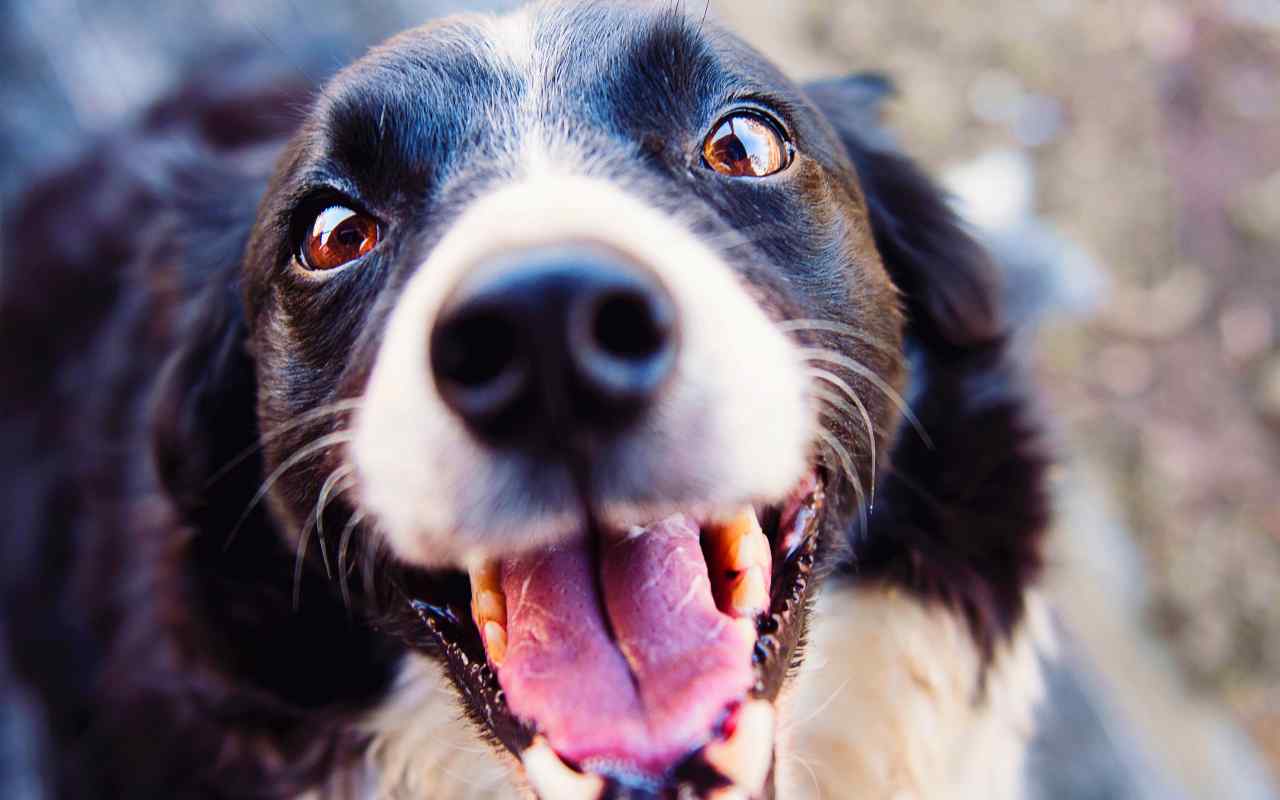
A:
[1131,148]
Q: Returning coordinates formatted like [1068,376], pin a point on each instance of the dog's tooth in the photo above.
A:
[552,779]
[490,605]
[489,609]
[754,551]
[743,543]
[747,755]
[741,563]
[495,642]
[485,576]
[749,595]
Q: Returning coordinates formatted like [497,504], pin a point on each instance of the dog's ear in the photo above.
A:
[961,511]
[204,410]
[945,276]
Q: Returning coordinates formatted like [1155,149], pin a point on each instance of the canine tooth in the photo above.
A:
[489,605]
[552,779]
[740,543]
[489,609]
[485,576]
[495,642]
[749,593]
[747,755]
[741,562]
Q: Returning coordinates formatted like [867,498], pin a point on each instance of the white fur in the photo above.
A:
[887,706]
[422,747]
[511,36]
[733,426]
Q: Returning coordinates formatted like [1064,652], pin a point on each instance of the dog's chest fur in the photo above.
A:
[891,702]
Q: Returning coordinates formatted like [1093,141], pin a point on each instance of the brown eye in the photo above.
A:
[338,236]
[746,145]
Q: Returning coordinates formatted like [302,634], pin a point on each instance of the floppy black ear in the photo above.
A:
[204,404]
[962,507]
[946,277]
[204,407]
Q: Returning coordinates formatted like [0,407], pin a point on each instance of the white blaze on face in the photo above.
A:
[732,426]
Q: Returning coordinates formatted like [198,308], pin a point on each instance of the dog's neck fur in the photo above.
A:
[895,699]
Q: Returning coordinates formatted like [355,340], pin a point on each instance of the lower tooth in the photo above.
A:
[552,779]
[746,757]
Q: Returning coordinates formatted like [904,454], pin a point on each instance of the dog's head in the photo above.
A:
[582,330]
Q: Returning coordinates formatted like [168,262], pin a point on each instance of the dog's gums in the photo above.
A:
[649,659]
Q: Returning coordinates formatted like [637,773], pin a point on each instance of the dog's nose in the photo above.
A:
[553,343]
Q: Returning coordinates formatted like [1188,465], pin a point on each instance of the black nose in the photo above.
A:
[554,343]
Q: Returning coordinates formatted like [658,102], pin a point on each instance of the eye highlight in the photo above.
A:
[338,236]
[747,144]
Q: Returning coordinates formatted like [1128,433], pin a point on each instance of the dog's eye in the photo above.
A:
[746,145]
[338,236]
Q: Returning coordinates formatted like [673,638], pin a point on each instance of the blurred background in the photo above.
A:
[1120,157]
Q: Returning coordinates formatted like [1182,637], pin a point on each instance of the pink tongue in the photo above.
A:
[641,704]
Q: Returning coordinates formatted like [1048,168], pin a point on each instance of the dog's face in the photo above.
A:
[581,304]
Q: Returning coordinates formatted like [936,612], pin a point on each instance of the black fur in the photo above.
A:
[164,665]
[963,509]
[167,664]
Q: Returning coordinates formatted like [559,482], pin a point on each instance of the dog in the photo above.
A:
[562,403]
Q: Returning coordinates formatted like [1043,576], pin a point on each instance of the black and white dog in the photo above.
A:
[541,369]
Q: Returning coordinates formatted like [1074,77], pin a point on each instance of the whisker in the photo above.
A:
[324,545]
[339,474]
[841,418]
[841,328]
[835,416]
[298,558]
[314,522]
[344,570]
[813,775]
[858,368]
[838,401]
[373,550]
[289,463]
[302,419]
[800,723]
[842,454]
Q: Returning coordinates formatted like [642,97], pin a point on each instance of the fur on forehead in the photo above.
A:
[448,94]
[437,116]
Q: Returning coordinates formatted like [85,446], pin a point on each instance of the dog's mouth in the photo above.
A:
[638,662]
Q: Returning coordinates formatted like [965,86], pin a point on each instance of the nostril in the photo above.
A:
[629,326]
[622,346]
[479,366]
[476,350]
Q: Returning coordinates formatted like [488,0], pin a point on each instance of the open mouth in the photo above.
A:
[645,662]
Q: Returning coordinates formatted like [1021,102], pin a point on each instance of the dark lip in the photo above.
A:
[441,602]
